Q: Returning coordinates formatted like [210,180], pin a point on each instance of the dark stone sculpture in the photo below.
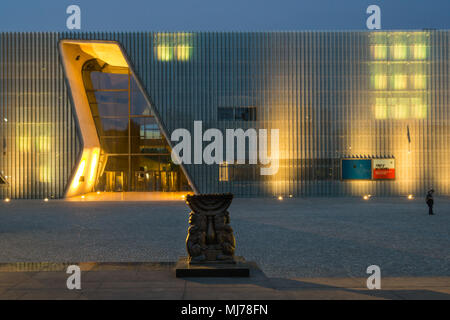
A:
[210,237]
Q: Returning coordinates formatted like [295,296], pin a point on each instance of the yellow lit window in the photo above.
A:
[419,51]
[164,53]
[379,81]
[184,52]
[419,81]
[379,52]
[399,51]
[399,82]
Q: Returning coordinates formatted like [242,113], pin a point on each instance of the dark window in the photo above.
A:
[236,114]
[225,114]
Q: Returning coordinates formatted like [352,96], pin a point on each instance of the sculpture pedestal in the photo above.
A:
[210,242]
[237,268]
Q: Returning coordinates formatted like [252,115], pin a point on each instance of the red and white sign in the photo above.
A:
[383,168]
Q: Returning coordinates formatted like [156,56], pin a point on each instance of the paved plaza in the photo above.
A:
[321,245]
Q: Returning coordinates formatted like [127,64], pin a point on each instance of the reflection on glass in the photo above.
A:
[135,156]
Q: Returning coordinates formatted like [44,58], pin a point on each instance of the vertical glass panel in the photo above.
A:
[114,144]
[102,80]
[139,105]
[112,126]
[126,127]
[114,176]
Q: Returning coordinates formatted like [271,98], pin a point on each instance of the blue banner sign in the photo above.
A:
[356,169]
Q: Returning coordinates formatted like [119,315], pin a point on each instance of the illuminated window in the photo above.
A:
[399,81]
[419,51]
[379,81]
[184,52]
[165,53]
[399,51]
[170,46]
[379,52]
[419,81]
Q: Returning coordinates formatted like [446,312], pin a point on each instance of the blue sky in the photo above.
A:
[224,15]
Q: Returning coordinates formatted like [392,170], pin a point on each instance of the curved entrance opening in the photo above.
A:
[125,149]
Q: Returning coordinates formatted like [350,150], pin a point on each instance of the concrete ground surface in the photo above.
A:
[312,247]
[157,281]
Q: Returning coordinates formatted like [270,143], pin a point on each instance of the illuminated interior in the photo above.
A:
[124,148]
[173,46]
[399,71]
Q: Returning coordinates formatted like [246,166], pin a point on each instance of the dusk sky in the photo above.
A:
[229,15]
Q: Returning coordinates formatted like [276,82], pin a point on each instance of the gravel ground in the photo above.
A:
[314,237]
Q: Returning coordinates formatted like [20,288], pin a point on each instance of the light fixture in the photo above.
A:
[82,197]
[280,198]
[7,200]
[6,120]
[98,192]
[410,197]
[366,197]
[46,200]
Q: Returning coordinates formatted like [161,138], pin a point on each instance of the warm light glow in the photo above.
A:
[44,174]
[43,143]
[410,197]
[380,108]
[400,81]
[400,110]
[93,170]
[79,174]
[379,81]
[418,108]
[7,200]
[419,81]
[183,52]
[399,51]
[379,52]
[164,53]
[419,51]
[23,144]
[108,52]
[280,198]
[98,192]
[46,200]
[82,197]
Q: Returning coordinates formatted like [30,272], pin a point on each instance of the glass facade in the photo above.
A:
[134,154]
[332,95]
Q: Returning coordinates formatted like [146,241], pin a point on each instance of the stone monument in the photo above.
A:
[210,242]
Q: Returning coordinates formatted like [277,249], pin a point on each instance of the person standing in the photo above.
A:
[429,200]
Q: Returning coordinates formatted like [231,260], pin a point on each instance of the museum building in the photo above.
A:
[357,113]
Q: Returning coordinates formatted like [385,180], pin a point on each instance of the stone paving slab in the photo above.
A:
[157,281]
